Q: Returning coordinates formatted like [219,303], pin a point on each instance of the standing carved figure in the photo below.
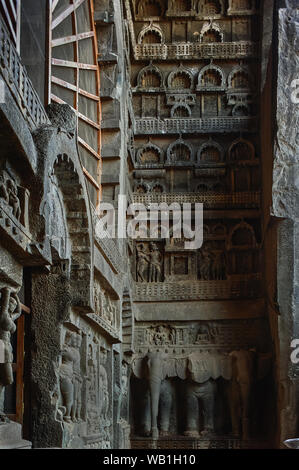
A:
[142,263]
[77,378]
[10,311]
[218,266]
[205,264]
[3,190]
[14,202]
[103,386]
[155,264]
[240,391]
[66,373]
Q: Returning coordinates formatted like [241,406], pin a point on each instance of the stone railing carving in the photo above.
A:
[245,199]
[199,125]
[247,287]
[16,78]
[110,250]
[189,50]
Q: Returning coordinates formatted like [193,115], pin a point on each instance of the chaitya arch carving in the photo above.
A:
[210,8]
[181,110]
[212,78]
[210,152]
[211,32]
[150,77]
[180,152]
[149,154]
[149,8]
[180,79]
[151,34]
[241,110]
[241,7]
[242,236]
[240,79]
[241,150]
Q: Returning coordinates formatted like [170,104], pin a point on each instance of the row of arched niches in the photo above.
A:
[212,77]
[205,9]
[209,153]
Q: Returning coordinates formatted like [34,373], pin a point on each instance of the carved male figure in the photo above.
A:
[10,311]
[155,264]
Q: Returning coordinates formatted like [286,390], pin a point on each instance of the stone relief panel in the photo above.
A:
[82,397]
[10,311]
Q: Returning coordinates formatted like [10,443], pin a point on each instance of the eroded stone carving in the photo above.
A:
[10,311]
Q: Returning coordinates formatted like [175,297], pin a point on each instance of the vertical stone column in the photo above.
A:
[285,193]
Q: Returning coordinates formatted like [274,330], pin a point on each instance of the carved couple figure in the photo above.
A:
[9,193]
[149,264]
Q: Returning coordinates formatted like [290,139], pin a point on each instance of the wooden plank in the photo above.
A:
[72,64]
[25,309]
[89,148]
[91,179]
[68,11]
[54,4]
[73,38]
[89,121]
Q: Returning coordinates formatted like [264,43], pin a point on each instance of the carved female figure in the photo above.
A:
[77,403]
[66,373]
[142,263]
[10,311]
[103,386]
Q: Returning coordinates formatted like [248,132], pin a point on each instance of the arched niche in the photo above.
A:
[150,78]
[180,79]
[241,150]
[181,110]
[240,79]
[149,154]
[211,78]
[210,152]
[210,8]
[157,187]
[242,236]
[241,7]
[211,33]
[151,34]
[219,230]
[149,8]
[241,110]
[141,187]
[178,7]
[180,152]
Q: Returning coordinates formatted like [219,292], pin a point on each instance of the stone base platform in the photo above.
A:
[181,442]
[11,437]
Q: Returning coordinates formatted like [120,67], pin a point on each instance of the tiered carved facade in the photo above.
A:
[194,78]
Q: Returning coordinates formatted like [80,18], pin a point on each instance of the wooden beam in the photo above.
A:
[88,148]
[68,11]
[91,179]
[72,64]
[70,39]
